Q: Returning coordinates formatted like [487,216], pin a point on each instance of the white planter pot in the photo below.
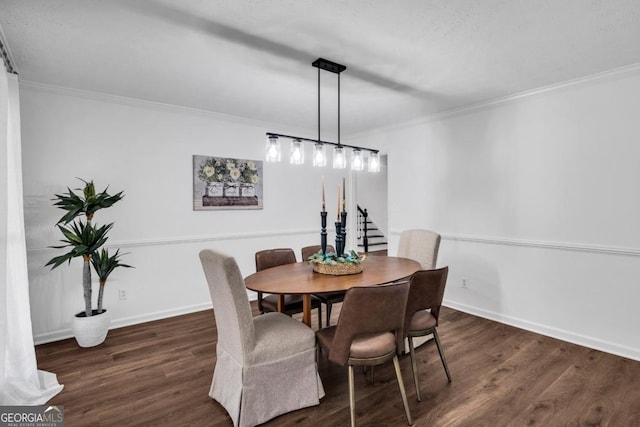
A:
[91,331]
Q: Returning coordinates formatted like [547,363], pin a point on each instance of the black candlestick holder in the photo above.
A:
[339,241]
[323,233]
[343,223]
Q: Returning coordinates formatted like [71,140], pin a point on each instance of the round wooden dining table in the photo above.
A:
[299,278]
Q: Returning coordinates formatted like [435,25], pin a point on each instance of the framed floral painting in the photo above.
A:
[226,183]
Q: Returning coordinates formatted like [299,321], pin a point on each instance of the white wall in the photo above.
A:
[146,150]
[536,197]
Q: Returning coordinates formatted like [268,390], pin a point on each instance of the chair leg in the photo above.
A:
[329,313]
[414,368]
[372,370]
[402,392]
[352,397]
[444,361]
[319,316]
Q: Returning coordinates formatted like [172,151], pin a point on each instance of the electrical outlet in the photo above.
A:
[465,282]
[123,294]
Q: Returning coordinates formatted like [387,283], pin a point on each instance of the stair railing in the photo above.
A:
[362,227]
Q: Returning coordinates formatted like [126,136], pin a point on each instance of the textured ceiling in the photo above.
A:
[252,58]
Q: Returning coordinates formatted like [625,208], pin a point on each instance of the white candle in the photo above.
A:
[344,196]
[338,214]
[323,207]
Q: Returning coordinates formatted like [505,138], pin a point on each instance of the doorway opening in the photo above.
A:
[372,205]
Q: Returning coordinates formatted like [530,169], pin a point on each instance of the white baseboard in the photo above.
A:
[561,334]
[127,321]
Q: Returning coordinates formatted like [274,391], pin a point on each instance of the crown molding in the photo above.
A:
[145,103]
[459,111]
[6,55]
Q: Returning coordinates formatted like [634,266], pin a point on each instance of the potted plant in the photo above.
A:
[84,239]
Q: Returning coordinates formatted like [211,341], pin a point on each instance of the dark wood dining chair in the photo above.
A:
[292,303]
[368,332]
[328,298]
[426,290]
[307,251]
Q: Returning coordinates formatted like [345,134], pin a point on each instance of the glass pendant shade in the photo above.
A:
[374,162]
[339,158]
[357,160]
[296,155]
[319,155]
[274,151]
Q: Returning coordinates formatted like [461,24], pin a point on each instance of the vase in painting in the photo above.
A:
[231,189]
[214,189]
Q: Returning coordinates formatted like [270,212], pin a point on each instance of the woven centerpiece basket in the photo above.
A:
[340,269]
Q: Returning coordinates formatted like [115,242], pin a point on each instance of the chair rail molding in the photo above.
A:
[195,239]
[566,246]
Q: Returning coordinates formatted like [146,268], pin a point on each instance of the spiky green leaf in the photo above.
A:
[86,204]
[82,239]
[104,264]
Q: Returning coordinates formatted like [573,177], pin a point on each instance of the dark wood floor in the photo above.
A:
[159,373]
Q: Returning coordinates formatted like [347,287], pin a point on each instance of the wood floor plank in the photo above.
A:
[159,373]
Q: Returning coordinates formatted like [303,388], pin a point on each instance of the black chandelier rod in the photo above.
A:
[338,108]
[319,103]
[269,134]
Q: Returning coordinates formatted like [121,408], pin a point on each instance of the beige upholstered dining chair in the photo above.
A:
[328,298]
[292,303]
[367,333]
[426,290]
[421,246]
[257,356]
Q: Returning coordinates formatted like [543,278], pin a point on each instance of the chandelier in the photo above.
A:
[319,153]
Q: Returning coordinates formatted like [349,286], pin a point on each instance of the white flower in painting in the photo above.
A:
[220,177]
[234,173]
[208,171]
[231,165]
[254,179]
[251,165]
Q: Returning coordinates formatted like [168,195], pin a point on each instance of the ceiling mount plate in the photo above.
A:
[325,64]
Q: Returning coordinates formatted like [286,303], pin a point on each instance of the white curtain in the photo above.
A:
[21,383]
